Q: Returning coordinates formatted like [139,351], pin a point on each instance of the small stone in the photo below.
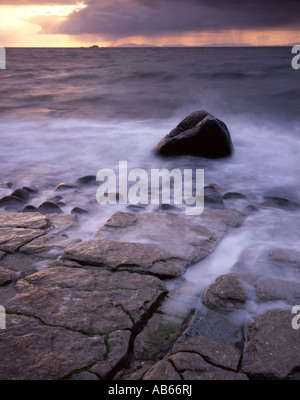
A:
[87,180]
[233,195]
[229,292]
[64,186]
[279,202]
[30,189]
[78,210]
[29,208]
[11,202]
[48,207]
[21,193]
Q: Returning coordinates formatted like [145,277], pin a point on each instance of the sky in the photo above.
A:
[61,23]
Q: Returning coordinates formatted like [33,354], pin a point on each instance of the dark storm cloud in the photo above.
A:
[121,18]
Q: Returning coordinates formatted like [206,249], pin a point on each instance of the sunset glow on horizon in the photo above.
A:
[63,24]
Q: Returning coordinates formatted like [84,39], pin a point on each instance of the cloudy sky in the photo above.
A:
[156,22]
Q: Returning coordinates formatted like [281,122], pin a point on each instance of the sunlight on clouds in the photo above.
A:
[18,26]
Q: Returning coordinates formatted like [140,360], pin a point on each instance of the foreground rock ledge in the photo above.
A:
[160,244]
[199,134]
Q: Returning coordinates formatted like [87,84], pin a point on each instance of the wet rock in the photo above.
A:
[64,186]
[250,209]
[11,203]
[212,197]
[99,309]
[88,180]
[284,255]
[168,207]
[157,337]
[135,208]
[215,375]
[29,208]
[22,263]
[161,371]
[6,185]
[218,354]
[49,207]
[166,263]
[84,376]
[11,239]
[161,244]
[91,279]
[273,347]
[229,292]
[26,221]
[135,371]
[279,202]
[121,220]
[268,289]
[48,243]
[21,194]
[216,325]
[233,195]
[199,134]
[228,216]
[32,351]
[118,343]
[7,276]
[30,189]
[79,211]
[198,359]
[55,199]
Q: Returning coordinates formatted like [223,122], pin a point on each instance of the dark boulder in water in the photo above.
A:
[48,207]
[199,134]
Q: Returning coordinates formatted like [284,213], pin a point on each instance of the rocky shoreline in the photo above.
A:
[103,308]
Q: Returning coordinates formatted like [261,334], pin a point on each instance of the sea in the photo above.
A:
[69,112]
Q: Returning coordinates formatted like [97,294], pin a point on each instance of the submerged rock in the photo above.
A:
[199,134]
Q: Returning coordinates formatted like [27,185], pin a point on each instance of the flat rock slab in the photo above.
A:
[160,244]
[118,343]
[30,350]
[60,223]
[23,263]
[7,276]
[220,354]
[11,239]
[283,255]
[268,289]
[20,220]
[48,243]
[95,309]
[110,306]
[200,358]
[273,348]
